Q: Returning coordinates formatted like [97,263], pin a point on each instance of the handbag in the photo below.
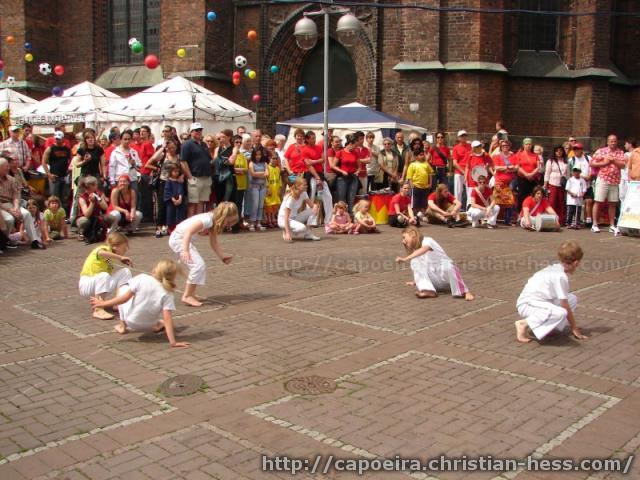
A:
[563,179]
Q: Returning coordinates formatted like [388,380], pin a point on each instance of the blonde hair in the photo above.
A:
[338,205]
[53,198]
[300,181]
[224,211]
[115,238]
[417,237]
[165,272]
[356,207]
[570,251]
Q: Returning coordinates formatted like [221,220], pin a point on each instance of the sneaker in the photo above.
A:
[595,229]
[614,230]
[450,223]
[462,223]
[164,232]
[252,228]
[311,236]
[36,245]
[474,224]
[158,234]
[262,228]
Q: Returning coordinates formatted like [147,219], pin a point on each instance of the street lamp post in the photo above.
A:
[306,34]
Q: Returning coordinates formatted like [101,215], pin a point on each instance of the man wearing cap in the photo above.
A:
[460,152]
[195,155]
[581,161]
[15,147]
[52,140]
[55,162]
[609,160]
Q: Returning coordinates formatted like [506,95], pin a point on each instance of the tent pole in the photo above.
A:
[325,143]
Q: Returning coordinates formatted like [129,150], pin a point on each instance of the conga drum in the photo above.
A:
[545,223]
[379,207]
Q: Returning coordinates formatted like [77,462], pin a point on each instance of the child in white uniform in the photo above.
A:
[292,217]
[213,223]
[433,270]
[576,188]
[144,300]
[545,303]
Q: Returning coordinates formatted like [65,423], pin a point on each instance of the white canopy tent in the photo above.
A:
[14,101]
[177,101]
[78,104]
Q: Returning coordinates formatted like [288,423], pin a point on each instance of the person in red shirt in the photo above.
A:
[52,140]
[477,157]
[345,164]
[143,145]
[114,141]
[528,173]
[533,206]
[504,169]
[440,159]
[364,158]
[483,208]
[314,160]
[400,211]
[458,155]
[294,155]
[443,207]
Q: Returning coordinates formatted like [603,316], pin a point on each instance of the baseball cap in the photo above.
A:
[527,141]
[476,143]
[58,135]
[14,128]
[461,133]
[578,146]
[195,126]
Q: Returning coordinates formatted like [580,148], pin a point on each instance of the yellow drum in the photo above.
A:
[39,184]
[379,208]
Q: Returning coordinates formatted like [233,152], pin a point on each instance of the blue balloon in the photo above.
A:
[315,100]
[27,46]
[57,91]
[302,89]
[211,16]
[247,71]
[275,69]
[1,74]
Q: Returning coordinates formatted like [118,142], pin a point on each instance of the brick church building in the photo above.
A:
[548,76]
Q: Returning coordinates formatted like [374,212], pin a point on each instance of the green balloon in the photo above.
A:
[137,47]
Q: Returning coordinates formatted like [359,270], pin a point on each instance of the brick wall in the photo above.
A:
[12,23]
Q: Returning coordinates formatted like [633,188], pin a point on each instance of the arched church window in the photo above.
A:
[138,19]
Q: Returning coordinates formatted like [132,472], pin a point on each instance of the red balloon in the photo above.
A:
[151,62]
[252,34]
[236,81]
[58,70]
[255,98]
[1,65]
[236,75]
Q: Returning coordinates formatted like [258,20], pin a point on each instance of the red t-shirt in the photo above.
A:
[436,160]
[473,161]
[486,193]
[459,153]
[50,141]
[363,152]
[528,161]
[330,154]
[107,155]
[295,157]
[348,160]
[448,198]
[145,152]
[403,203]
[314,152]
[504,178]
[530,203]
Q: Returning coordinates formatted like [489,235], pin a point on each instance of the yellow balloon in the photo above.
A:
[181,52]
[28,57]
[252,75]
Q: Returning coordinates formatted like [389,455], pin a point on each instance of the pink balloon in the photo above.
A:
[58,70]
[1,65]
[151,62]
[255,98]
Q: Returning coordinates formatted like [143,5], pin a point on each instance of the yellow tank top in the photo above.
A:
[241,178]
[94,264]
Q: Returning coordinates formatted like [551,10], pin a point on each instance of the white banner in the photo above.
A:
[629,221]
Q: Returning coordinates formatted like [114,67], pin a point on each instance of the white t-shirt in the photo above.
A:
[293,204]
[205,218]
[576,186]
[547,285]
[144,310]
[583,164]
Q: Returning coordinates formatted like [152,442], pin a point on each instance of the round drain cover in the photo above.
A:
[181,385]
[313,385]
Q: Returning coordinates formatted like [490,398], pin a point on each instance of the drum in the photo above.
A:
[477,171]
[379,208]
[545,223]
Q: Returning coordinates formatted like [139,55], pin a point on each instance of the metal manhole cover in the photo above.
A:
[181,385]
[313,385]
[314,273]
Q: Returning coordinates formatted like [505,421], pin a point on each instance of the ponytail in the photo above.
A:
[165,272]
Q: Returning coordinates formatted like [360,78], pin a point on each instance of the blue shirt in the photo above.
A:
[197,157]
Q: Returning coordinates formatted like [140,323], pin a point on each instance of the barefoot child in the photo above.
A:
[433,270]
[145,303]
[545,303]
[340,220]
[97,277]
[213,223]
[362,219]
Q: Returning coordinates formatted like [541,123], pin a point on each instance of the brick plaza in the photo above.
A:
[417,378]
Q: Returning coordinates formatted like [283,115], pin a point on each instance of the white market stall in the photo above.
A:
[177,102]
[14,101]
[79,104]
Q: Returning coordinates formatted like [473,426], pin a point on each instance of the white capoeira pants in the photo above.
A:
[442,277]
[197,268]
[300,222]
[544,317]
[325,195]
[478,215]
[458,186]
[103,283]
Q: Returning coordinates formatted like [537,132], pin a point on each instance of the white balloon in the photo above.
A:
[240,61]
[45,69]
[132,40]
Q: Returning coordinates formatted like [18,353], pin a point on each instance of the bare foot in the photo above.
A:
[410,284]
[521,331]
[191,301]
[469,297]
[121,328]
[102,314]
[426,294]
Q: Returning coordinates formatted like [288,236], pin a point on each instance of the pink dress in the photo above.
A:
[339,219]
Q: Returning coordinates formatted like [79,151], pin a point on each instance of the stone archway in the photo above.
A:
[278,92]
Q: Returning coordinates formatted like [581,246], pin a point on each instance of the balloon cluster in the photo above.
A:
[44,68]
